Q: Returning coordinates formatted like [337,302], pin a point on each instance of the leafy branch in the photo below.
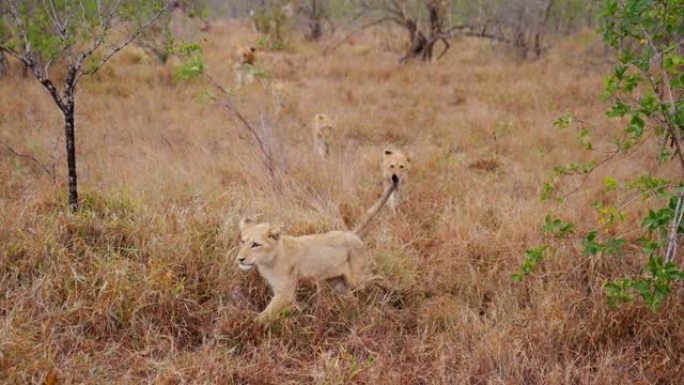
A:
[646,88]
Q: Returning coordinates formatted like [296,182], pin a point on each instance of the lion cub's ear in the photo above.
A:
[274,233]
[244,222]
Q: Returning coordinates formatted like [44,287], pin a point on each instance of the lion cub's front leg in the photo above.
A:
[322,146]
[392,201]
[283,295]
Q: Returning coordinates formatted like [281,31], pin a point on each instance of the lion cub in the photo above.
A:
[284,260]
[321,130]
[395,163]
[245,57]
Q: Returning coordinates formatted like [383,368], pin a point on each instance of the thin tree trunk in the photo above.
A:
[4,64]
[69,133]
[67,105]
[315,29]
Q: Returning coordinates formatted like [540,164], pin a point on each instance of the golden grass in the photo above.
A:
[140,286]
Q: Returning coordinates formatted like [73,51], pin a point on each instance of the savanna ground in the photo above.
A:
[141,287]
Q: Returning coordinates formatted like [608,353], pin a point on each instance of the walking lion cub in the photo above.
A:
[321,130]
[395,164]
[243,67]
[284,260]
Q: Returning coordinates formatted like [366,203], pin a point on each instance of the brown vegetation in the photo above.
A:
[141,287]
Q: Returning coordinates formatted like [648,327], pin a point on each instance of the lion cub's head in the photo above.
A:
[395,163]
[245,55]
[322,125]
[258,244]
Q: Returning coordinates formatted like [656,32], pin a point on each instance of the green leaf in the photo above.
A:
[619,109]
[564,121]
[585,140]
[193,65]
[613,246]
[591,247]
[533,256]
[556,227]
[610,183]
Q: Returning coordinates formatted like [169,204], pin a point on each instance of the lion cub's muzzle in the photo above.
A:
[245,266]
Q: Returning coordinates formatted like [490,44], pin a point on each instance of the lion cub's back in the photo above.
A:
[335,238]
[326,255]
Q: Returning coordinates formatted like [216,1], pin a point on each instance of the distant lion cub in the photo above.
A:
[284,260]
[395,164]
[245,57]
[321,130]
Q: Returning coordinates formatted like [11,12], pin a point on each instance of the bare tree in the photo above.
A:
[77,33]
[315,17]
[423,33]
[522,24]
[399,12]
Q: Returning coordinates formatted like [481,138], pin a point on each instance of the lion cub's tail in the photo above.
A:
[361,228]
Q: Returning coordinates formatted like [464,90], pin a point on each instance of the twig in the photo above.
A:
[121,46]
[674,131]
[268,159]
[29,157]
[588,175]
[676,221]
[335,45]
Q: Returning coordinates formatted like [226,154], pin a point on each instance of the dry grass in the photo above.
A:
[140,286]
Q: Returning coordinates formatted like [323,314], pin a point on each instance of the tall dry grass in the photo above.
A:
[140,285]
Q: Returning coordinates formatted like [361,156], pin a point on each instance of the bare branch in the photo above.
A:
[29,60]
[119,47]
[335,45]
[676,222]
[268,159]
[446,47]
[60,25]
[13,53]
[29,157]
[673,131]
[22,29]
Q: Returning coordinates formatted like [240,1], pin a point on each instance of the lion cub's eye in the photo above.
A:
[391,166]
[402,166]
[254,244]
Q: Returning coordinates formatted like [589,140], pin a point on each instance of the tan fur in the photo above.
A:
[395,163]
[245,57]
[321,130]
[284,260]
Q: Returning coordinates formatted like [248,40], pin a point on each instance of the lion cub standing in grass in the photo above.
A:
[245,57]
[284,260]
[395,163]
[321,130]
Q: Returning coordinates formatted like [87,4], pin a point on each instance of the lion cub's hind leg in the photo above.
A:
[339,284]
[361,274]
[358,267]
